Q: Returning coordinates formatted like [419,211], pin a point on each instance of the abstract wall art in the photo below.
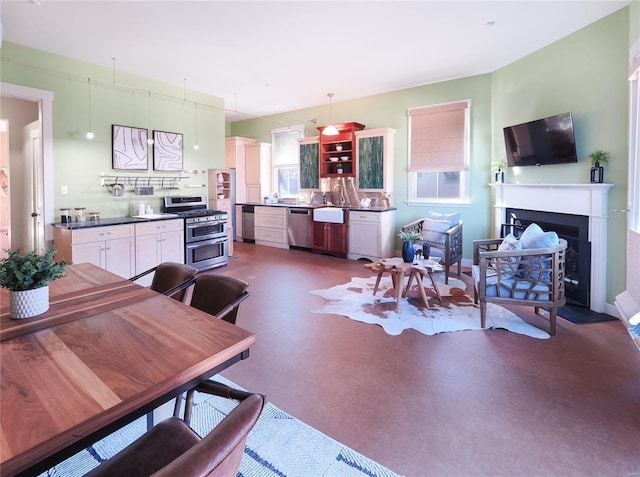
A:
[129,147]
[167,151]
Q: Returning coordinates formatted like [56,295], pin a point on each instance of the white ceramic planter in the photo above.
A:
[28,303]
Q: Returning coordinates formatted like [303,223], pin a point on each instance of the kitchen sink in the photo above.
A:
[334,215]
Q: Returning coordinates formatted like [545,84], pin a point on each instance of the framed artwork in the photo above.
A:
[130,150]
[167,151]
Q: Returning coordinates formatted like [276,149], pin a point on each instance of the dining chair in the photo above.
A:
[171,279]
[172,448]
[219,295]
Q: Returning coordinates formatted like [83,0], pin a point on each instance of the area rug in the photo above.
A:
[457,311]
[278,446]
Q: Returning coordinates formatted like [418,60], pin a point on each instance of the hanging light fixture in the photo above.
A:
[196,146]
[90,134]
[149,137]
[330,130]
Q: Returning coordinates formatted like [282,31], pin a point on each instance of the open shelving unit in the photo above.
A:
[337,153]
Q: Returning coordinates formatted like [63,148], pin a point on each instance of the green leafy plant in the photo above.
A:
[499,164]
[410,236]
[600,157]
[19,272]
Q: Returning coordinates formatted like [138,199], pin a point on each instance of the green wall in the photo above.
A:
[585,73]
[78,162]
[390,110]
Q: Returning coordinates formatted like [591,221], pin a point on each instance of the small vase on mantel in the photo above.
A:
[499,176]
[597,173]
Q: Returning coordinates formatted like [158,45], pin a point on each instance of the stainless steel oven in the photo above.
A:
[206,231]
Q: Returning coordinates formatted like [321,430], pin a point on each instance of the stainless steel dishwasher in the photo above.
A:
[299,230]
[248,224]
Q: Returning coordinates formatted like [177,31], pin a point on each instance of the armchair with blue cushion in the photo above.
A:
[441,236]
[528,271]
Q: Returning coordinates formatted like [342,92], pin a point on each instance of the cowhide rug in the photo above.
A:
[457,312]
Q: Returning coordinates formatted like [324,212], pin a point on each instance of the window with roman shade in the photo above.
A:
[439,152]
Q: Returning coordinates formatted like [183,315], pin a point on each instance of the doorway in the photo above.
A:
[27,199]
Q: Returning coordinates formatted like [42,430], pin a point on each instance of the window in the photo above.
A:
[284,157]
[439,153]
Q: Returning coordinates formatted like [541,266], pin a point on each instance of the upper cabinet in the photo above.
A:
[309,150]
[337,153]
[374,159]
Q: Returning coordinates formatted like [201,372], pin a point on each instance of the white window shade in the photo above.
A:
[438,138]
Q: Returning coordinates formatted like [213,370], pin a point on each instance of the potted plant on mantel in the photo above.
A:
[408,239]
[27,277]
[598,159]
[499,165]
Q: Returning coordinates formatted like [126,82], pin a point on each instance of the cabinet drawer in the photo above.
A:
[271,221]
[271,235]
[159,226]
[278,211]
[96,234]
[364,216]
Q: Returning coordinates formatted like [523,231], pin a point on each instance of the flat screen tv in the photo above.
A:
[544,141]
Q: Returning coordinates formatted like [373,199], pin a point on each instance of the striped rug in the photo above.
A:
[278,446]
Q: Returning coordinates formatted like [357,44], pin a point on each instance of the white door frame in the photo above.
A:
[45,100]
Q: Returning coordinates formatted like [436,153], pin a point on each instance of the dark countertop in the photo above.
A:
[87,224]
[318,206]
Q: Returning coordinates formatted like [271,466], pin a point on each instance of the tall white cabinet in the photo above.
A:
[258,171]
[234,158]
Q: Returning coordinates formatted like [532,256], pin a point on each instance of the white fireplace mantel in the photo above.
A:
[589,200]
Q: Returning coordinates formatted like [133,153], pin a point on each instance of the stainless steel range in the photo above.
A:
[205,231]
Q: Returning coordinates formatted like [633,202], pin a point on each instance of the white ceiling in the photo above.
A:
[268,57]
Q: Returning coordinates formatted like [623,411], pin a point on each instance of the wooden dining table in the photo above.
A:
[105,353]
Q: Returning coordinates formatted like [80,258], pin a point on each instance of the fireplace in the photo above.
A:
[575,230]
[588,201]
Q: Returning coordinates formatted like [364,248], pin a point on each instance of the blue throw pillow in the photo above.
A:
[534,237]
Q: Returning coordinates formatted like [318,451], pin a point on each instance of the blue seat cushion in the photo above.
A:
[518,289]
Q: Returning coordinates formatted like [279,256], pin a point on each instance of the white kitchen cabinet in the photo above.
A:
[110,247]
[374,160]
[234,158]
[157,242]
[258,171]
[271,226]
[371,235]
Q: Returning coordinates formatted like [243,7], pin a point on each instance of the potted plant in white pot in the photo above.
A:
[27,277]
[408,239]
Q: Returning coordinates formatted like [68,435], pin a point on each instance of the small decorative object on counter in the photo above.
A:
[94,216]
[65,215]
[80,217]
[324,198]
[141,208]
[149,210]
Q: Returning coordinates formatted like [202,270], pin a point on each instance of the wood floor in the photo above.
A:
[472,403]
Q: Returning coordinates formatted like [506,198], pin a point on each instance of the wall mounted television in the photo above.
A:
[543,141]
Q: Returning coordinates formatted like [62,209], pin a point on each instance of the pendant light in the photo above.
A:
[90,134]
[196,146]
[149,132]
[330,130]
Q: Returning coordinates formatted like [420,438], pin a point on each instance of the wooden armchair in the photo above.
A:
[446,238]
[527,277]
